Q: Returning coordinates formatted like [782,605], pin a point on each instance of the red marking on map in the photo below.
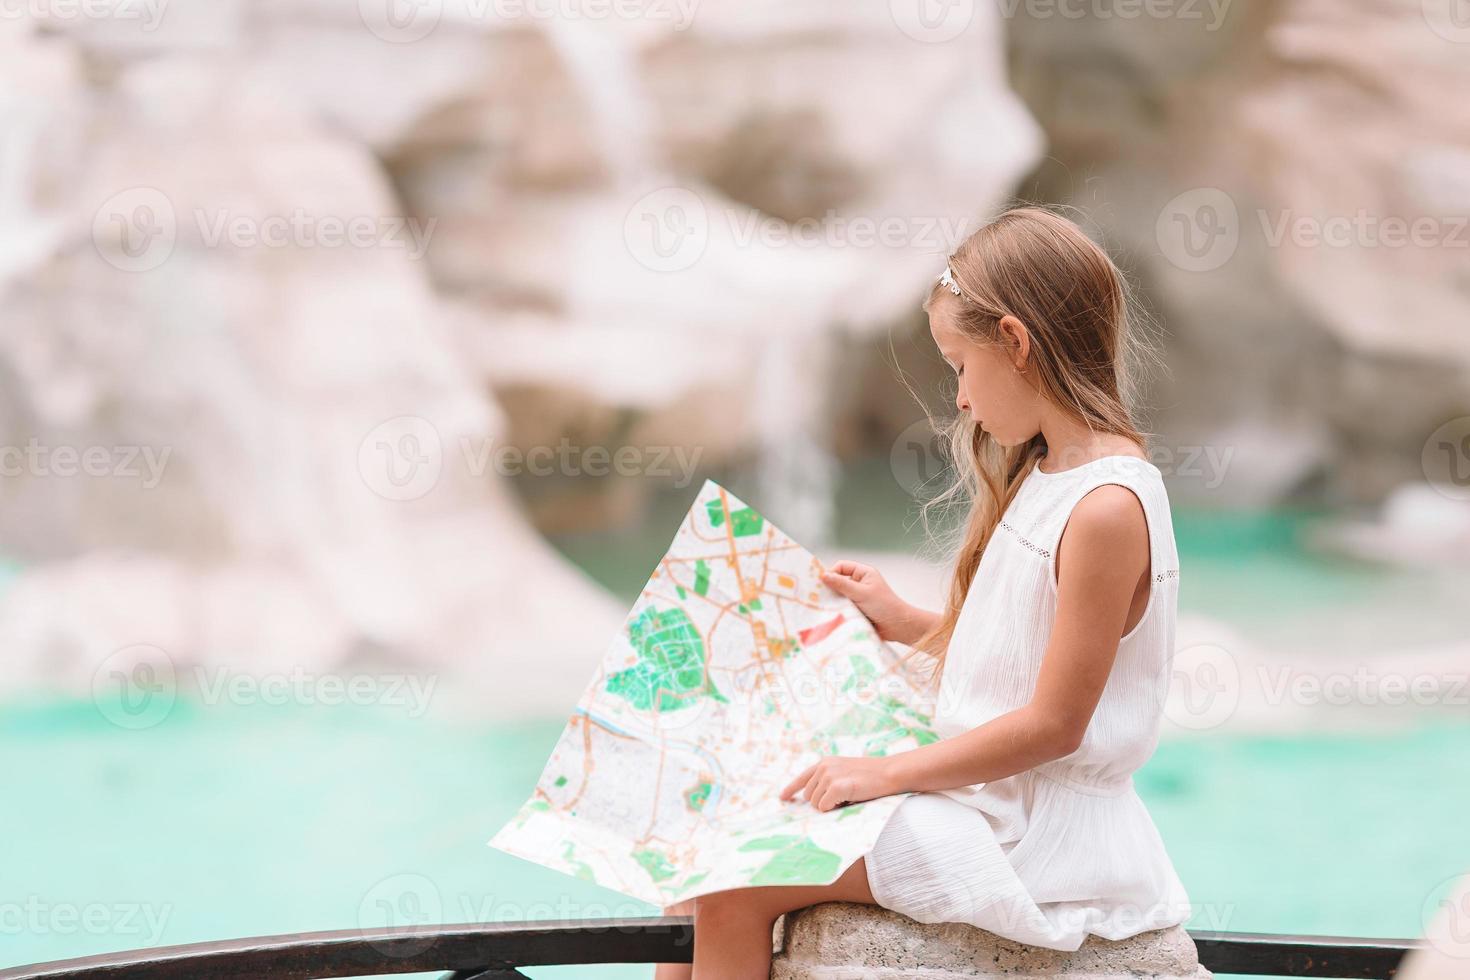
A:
[819,633]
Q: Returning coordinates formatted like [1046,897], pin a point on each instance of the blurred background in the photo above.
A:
[358,360]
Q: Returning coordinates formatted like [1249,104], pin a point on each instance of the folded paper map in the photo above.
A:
[736,670]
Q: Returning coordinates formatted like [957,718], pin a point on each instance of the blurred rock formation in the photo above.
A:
[318,418]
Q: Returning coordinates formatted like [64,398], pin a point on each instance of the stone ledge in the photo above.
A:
[848,941]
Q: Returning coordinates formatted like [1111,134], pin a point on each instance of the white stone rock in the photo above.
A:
[1306,307]
[258,504]
[847,941]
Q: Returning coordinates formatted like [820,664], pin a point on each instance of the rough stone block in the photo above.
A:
[848,941]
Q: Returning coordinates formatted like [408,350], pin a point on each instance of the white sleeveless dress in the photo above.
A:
[1052,854]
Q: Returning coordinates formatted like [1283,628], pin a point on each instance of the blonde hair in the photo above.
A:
[1086,337]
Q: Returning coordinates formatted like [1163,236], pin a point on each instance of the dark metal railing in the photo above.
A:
[1268,954]
[495,951]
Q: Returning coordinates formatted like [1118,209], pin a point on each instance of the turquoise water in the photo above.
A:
[221,823]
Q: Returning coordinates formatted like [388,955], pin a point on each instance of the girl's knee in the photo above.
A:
[685,907]
[737,903]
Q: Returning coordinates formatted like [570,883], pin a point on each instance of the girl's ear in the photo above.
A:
[1019,337]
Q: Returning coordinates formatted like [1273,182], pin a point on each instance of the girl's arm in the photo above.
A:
[1107,553]
[912,624]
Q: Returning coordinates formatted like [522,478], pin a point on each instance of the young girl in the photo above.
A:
[1053,648]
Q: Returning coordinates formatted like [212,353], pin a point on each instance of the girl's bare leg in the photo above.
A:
[676,971]
[732,929]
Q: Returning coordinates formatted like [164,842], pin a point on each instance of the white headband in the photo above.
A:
[948,280]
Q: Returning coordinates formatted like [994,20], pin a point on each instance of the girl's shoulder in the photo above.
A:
[1045,501]
[1069,485]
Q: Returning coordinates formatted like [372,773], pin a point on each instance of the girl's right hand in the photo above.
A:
[894,619]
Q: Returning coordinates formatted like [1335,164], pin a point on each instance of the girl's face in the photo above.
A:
[991,388]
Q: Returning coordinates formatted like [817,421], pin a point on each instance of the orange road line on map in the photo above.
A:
[647,836]
[766,553]
[761,637]
[587,724]
[786,631]
[757,629]
[793,546]
[657,782]
[732,557]
[763,650]
[707,637]
[694,525]
[797,600]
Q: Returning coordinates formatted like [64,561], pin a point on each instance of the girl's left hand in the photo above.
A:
[837,779]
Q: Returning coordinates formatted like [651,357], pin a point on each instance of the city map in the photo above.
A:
[735,670]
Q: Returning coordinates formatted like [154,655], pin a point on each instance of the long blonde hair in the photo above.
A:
[1086,338]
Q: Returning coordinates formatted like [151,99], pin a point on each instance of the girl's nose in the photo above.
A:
[961,402]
